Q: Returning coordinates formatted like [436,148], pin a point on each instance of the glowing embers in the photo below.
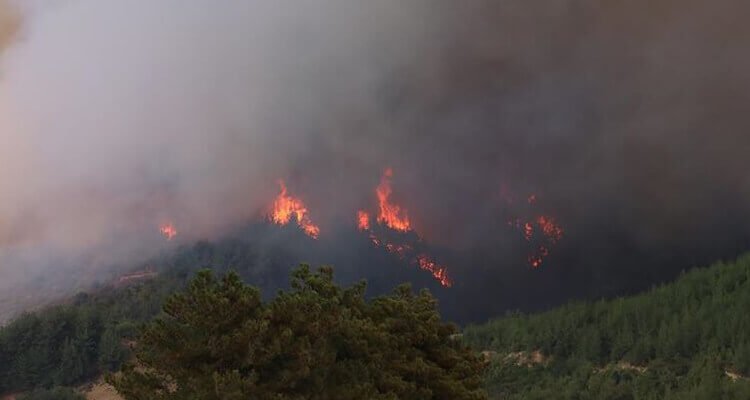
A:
[439,272]
[286,207]
[541,231]
[395,234]
[168,230]
[363,221]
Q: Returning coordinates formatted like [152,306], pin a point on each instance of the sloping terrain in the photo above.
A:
[687,339]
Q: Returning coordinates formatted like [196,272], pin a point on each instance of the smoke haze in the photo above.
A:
[627,119]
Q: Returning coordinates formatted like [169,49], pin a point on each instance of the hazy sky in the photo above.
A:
[626,118]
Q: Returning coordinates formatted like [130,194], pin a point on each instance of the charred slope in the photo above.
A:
[687,339]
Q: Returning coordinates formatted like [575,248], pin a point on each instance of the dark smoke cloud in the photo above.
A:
[625,118]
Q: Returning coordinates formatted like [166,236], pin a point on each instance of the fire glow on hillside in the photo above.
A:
[391,216]
[542,231]
[285,207]
[168,230]
[392,230]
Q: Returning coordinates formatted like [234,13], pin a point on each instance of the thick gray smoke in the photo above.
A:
[625,118]
[9,24]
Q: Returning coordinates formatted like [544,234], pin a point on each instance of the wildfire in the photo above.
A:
[391,215]
[528,231]
[542,230]
[395,218]
[439,272]
[550,229]
[363,220]
[168,230]
[286,207]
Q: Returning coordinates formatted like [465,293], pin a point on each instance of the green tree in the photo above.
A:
[71,365]
[111,351]
[218,340]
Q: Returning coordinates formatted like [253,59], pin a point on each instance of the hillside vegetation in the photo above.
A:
[685,340]
[392,345]
[72,343]
[219,340]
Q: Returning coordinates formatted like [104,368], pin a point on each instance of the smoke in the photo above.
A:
[9,24]
[626,119]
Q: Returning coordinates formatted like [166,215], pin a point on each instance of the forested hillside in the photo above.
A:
[689,339]
[684,340]
[73,342]
[91,334]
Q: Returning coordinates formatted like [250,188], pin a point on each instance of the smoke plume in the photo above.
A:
[626,119]
[9,24]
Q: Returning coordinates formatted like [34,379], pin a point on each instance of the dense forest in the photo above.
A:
[218,340]
[92,333]
[73,342]
[685,340]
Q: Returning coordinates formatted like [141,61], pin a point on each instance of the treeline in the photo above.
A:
[74,342]
[69,344]
[688,339]
[218,340]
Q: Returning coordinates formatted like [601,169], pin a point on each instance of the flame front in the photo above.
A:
[439,272]
[285,207]
[391,215]
[168,230]
[395,218]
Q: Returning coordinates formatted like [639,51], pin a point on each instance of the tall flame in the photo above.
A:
[395,218]
[391,215]
[285,207]
[168,230]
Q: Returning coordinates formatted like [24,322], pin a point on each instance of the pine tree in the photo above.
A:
[111,352]
[71,367]
[317,341]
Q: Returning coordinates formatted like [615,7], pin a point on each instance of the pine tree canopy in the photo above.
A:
[220,340]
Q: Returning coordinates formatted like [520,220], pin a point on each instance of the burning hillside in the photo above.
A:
[392,229]
[286,209]
[626,120]
[540,231]
[168,230]
[403,239]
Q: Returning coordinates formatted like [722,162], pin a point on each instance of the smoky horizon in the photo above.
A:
[509,155]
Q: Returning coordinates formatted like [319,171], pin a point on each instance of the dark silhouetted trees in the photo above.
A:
[219,340]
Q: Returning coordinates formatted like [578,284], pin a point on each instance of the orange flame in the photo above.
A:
[168,230]
[394,217]
[541,229]
[363,220]
[285,207]
[391,215]
[438,272]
